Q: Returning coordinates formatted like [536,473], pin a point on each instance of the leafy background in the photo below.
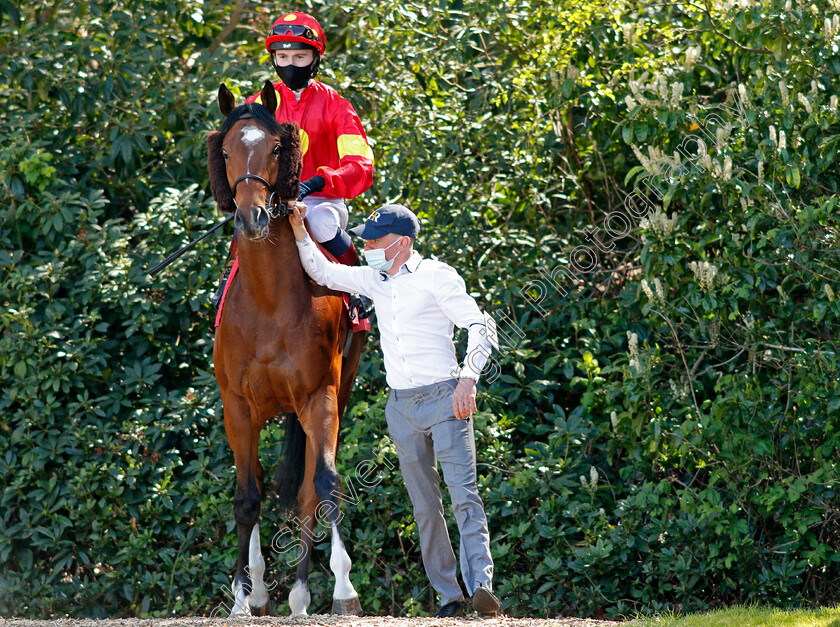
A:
[662,432]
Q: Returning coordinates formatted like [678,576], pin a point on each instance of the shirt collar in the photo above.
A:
[413,261]
[409,266]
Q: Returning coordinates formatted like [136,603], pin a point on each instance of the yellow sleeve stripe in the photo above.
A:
[354,146]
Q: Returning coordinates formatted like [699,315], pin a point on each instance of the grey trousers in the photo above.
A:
[425,431]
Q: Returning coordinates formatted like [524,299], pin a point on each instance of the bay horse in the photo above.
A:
[281,347]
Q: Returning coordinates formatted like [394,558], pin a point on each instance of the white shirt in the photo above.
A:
[416,310]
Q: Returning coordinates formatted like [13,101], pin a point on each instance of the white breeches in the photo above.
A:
[325,216]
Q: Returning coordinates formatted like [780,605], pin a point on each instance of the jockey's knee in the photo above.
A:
[323,222]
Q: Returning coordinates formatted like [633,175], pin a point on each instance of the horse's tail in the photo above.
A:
[290,470]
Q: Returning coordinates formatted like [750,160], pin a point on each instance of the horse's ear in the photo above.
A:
[222,193]
[226,100]
[268,97]
[290,162]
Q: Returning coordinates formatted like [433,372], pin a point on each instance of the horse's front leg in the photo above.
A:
[323,439]
[250,596]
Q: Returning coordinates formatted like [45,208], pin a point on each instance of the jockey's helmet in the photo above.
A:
[295,31]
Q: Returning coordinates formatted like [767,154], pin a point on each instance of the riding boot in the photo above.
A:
[217,299]
[361,302]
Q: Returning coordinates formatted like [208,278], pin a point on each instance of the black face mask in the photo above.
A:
[294,77]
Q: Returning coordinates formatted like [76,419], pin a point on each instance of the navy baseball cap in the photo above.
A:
[388,219]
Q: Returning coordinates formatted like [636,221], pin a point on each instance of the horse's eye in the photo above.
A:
[277,148]
[224,154]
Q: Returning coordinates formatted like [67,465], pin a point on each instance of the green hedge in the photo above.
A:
[662,430]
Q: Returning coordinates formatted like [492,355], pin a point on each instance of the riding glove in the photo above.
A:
[312,185]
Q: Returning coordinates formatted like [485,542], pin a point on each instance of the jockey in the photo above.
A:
[337,160]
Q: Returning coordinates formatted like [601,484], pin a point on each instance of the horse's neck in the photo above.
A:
[270,269]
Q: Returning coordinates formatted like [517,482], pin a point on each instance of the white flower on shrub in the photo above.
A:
[830,27]
[773,134]
[642,159]
[704,273]
[782,143]
[628,100]
[660,224]
[760,171]
[637,86]
[676,93]
[614,419]
[633,344]
[802,98]
[785,94]
[646,289]
[782,294]
[742,93]
[832,102]
[678,390]
[662,85]
[692,55]
[828,292]
[657,296]
[590,484]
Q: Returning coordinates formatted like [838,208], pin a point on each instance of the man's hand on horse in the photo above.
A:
[463,398]
[296,220]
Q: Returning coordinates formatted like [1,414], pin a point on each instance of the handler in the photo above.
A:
[417,302]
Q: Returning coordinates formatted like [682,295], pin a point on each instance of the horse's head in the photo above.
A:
[254,161]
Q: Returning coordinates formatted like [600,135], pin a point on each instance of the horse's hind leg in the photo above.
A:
[249,592]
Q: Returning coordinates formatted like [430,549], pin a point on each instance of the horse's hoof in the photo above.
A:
[263,610]
[347,607]
[238,612]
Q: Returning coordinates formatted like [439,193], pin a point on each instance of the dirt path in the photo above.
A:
[324,620]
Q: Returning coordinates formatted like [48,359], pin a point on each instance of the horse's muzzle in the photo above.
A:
[252,223]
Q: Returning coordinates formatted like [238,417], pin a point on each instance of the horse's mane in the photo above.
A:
[288,182]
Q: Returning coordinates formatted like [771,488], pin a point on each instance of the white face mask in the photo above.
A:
[376,258]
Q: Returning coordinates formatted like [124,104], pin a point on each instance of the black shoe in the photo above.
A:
[450,609]
[217,299]
[360,304]
[485,602]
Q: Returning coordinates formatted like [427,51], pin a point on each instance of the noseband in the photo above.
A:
[276,209]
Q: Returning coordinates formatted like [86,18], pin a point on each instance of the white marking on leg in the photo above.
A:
[256,570]
[240,601]
[340,565]
[299,598]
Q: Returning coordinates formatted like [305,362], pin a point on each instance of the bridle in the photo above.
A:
[275,208]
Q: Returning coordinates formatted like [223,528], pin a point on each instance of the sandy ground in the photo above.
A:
[316,621]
